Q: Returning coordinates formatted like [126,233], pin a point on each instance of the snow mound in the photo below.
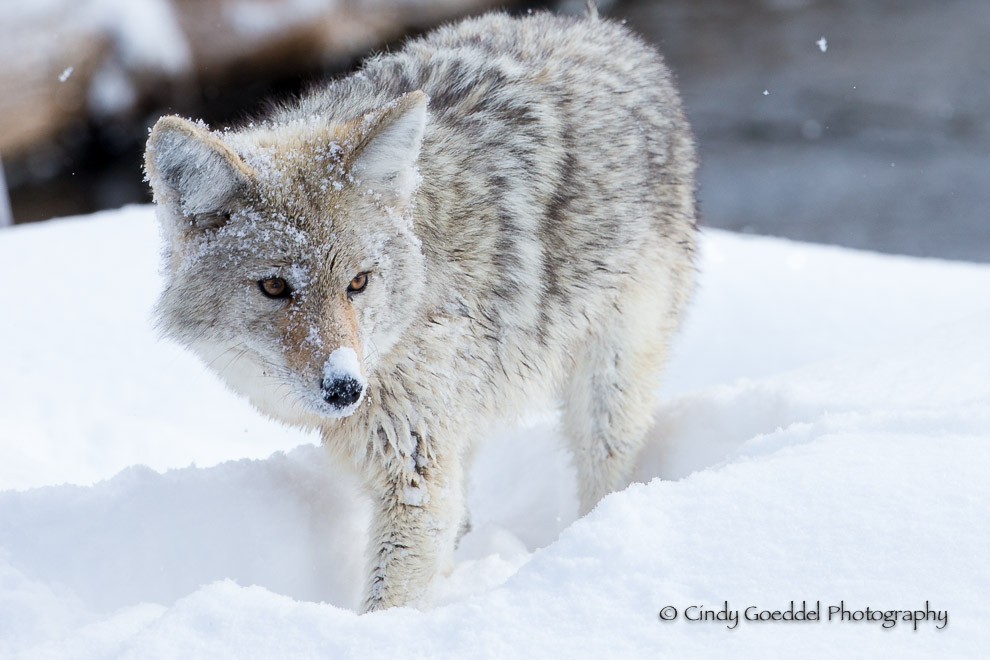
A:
[823,438]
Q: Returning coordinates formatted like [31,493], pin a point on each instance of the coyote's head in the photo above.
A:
[290,262]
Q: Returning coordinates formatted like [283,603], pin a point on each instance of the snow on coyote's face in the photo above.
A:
[291,267]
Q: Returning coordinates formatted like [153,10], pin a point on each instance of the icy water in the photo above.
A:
[878,140]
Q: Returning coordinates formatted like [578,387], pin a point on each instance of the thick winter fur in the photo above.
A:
[521,195]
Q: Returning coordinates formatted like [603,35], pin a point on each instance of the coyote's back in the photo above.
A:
[500,213]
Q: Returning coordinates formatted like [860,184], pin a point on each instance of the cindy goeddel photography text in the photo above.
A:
[808,612]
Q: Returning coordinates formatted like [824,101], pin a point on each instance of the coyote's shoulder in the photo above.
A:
[500,213]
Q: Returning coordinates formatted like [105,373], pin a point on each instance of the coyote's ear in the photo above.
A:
[385,158]
[191,169]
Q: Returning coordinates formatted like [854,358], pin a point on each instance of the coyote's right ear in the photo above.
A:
[191,169]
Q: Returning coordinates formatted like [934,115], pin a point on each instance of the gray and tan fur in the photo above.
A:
[520,192]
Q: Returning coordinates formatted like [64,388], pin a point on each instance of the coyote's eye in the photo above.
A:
[274,287]
[357,284]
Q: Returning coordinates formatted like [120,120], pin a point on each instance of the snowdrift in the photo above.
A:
[822,441]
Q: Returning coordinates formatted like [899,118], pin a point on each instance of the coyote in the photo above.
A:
[498,216]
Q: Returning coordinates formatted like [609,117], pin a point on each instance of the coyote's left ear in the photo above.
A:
[385,159]
[192,169]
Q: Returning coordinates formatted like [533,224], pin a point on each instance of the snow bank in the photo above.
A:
[822,438]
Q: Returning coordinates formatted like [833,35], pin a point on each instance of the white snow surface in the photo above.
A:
[822,436]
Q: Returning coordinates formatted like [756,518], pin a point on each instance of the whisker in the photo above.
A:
[220,355]
[234,359]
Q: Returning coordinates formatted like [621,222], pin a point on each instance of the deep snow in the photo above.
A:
[822,437]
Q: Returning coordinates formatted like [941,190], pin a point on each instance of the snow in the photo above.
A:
[111,90]
[262,19]
[147,34]
[822,44]
[140,37]
[343,363]
[822,438]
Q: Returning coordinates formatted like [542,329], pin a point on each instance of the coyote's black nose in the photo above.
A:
[341,392]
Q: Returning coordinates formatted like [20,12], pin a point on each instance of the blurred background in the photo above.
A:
[864,123]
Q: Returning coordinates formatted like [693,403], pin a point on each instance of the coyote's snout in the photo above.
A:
[503,210]
[342,383]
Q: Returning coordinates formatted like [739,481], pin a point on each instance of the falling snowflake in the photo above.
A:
[822,44]
[62,77]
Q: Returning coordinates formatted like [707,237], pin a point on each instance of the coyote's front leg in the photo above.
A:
[418,506]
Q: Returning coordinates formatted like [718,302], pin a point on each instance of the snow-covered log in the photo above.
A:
[66,61]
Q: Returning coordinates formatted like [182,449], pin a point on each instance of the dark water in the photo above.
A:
[880,142]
